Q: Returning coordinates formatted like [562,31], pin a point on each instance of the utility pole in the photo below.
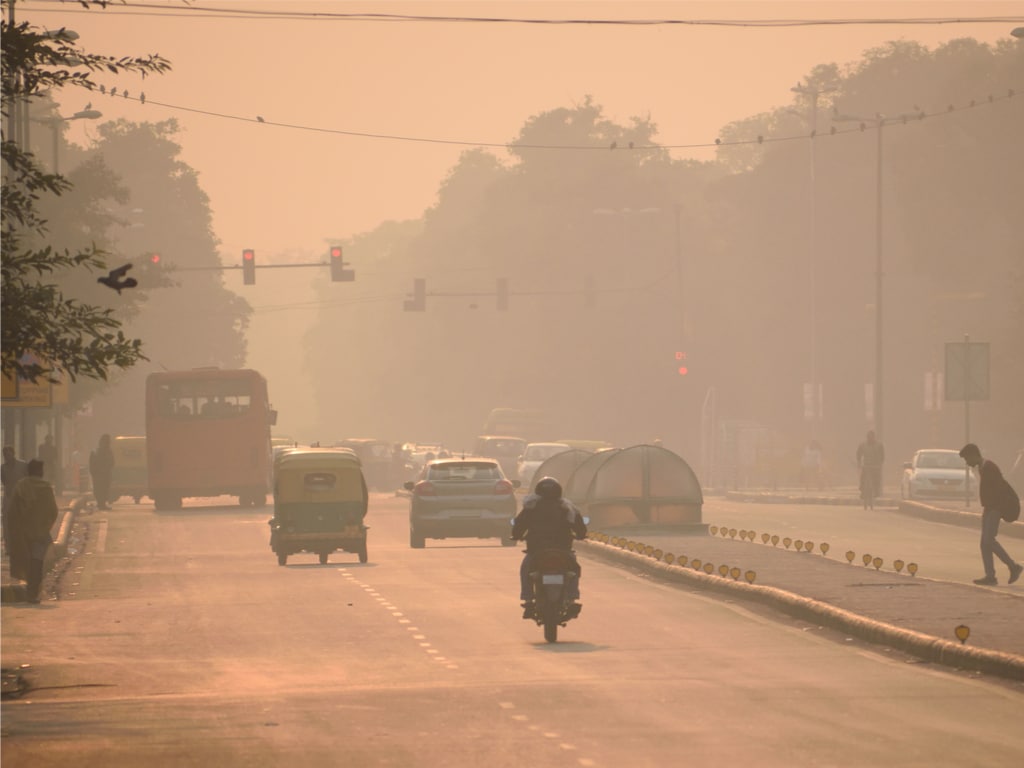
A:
[812,394]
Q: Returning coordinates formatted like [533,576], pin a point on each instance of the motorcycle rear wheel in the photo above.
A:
[551,623]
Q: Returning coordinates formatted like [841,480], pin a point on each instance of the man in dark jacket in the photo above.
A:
[33,511]
[12,470]
[992,491]
[547,521]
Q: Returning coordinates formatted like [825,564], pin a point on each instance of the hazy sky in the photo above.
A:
[296,181]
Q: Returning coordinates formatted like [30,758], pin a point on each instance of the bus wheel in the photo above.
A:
[323,558]
[259,500]
[243,500]
[282,558]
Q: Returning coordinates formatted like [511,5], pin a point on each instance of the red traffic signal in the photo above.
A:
[249,266]
[154,258]
[681,358]
[338,271]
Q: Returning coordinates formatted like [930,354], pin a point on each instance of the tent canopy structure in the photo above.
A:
[641,484]
[561,466]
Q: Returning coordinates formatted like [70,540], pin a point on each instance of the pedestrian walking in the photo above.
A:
[11,471]
[997,496]
[48,455]
[33,511]
[101,467]
[870,457]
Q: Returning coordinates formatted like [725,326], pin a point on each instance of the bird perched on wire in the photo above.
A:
[116,279]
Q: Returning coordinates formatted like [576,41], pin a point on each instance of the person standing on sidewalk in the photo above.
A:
[994,492]
[33,512]
[11,471]
[101,467]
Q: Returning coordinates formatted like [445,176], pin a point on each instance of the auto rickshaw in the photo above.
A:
[320,501]
[129,475]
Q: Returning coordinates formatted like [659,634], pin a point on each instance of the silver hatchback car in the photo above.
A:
[461,498]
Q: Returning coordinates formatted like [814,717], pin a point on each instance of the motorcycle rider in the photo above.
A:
[547,521]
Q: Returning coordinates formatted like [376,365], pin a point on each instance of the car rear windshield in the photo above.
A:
[465,470]
[940,461]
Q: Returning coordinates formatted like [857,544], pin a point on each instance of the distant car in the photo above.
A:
[505,448]
[535,455]
[375,456]
[937,473]
[461,498]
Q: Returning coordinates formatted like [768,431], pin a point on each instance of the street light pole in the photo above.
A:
[878,402]
[814,396]
[54,123]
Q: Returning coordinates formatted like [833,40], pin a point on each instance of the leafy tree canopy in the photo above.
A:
[62,334]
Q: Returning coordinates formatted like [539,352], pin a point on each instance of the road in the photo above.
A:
[179,641]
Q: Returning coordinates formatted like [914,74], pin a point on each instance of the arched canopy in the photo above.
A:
[576,489]
[561,466]
[644,483]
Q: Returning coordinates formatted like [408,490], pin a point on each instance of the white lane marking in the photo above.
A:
[385,603]
[506,705]
[567,747]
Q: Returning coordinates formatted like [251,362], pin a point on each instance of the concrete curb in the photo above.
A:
[923,646]
[965,519]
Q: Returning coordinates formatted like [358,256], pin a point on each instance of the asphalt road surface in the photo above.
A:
[178,641]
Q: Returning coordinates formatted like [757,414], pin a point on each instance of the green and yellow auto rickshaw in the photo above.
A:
[129,476]
[320,501]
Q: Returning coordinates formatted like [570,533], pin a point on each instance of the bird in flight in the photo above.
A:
[116,279]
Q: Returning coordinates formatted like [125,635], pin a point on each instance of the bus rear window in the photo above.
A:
[211,399]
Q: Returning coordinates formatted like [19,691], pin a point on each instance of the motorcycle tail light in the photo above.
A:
[504,488]
[424,488]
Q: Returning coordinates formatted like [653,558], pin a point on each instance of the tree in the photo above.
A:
[62,334]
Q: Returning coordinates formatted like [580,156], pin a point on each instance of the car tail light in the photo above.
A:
[504,487]
[423,488]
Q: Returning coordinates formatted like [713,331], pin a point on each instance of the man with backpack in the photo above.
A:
[998,502]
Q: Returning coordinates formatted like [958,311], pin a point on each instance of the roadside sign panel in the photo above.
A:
[967,370]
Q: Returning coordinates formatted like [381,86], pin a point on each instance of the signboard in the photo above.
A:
[22,393]
[967,370]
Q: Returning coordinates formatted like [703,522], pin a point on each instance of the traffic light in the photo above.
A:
[154,258]
[681,363]
[502,292]
[338,271]
[418,302]
[249,266]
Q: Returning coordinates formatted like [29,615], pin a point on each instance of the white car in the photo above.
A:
[533,456]
[937,473]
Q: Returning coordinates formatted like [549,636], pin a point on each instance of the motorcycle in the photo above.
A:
[552,574]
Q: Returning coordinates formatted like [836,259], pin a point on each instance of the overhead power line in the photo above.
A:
[915,115]
[198,11]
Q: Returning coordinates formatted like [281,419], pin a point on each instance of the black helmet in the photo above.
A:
[548,488]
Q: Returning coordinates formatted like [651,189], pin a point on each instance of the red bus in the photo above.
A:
[208,434]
